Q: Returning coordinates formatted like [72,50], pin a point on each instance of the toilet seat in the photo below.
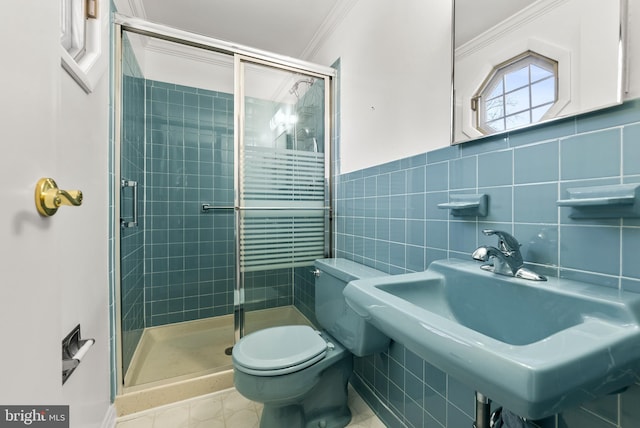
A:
[279,350]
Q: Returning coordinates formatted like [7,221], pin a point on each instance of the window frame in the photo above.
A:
[73,27]
[85,64]
[497,76]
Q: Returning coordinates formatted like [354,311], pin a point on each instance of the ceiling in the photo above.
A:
[286,27]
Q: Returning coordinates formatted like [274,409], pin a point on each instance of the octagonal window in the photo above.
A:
[516,93]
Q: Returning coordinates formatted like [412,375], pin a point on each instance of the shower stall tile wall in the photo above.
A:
[387,218]
[190,258]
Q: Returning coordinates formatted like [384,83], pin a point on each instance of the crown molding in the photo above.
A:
[335,17]
[513,23]
[137,8]
[131,8]
[186,52]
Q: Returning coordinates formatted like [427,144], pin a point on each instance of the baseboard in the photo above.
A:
[109,420]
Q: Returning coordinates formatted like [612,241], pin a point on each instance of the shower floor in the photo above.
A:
[190,349]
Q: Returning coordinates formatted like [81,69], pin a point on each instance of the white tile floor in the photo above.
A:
[228,409]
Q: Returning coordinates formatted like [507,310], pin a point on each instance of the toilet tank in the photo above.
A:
[333,313]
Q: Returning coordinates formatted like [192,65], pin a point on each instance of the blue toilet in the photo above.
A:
[301,374]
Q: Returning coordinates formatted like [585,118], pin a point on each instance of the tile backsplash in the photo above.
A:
[387,217]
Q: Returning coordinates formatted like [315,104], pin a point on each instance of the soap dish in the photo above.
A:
[466,205]
[610,201]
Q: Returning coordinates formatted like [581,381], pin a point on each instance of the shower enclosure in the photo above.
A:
[223,175]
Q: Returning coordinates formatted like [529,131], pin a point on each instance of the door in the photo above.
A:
[176,199]
[54,269]
[281,186]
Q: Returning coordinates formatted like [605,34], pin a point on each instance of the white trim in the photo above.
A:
[182,51]
[109,420]
[335,17]
[94,63]
[130,8]
[74,70]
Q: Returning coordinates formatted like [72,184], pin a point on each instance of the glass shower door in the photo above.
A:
[281,193]
[177,240]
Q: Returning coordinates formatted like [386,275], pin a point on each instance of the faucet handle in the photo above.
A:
[507,241]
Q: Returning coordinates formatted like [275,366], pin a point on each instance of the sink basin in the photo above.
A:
[536,348]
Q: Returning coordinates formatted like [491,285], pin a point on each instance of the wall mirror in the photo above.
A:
[518,63]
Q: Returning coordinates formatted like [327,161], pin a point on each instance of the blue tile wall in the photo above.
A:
[387,218]
[190,255]
[304,292]
[268,289]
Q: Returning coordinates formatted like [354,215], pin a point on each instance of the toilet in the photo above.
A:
[301,374]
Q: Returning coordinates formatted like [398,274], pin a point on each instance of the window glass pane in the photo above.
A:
[517,120]
[494,108]
[543,92]
[496,125]
[537,113]
[517,79]
[539,73]
[496,90]
[517,101]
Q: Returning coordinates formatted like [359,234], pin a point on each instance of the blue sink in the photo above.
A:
[536,348]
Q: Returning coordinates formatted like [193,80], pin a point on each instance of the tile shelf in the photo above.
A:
[611,201]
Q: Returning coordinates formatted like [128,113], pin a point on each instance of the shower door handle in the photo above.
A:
[134,218]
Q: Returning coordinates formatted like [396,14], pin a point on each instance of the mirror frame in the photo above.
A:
[621,80]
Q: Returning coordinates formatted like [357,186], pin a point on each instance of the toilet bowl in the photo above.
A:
[301,374]
[309,392]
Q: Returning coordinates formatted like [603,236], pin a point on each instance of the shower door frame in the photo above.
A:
[241,54]
[239,112]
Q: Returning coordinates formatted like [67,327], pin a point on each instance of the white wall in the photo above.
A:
[395,79]
[53,270]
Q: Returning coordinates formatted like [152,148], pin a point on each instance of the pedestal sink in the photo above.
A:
[536,348]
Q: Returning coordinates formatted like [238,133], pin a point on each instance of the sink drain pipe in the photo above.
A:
[483,411]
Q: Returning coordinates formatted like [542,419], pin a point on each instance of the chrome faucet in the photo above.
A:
[506,259]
